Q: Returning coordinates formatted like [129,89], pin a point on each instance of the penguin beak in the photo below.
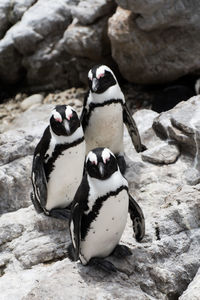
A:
[101,169]
[95,84]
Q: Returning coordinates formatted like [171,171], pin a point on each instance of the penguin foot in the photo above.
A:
[36,204]
[103,264]
[121,251]
[122,164]
[60,213]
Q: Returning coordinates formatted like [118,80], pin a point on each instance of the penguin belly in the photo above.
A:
[65,177]
[105,128]
[106,230]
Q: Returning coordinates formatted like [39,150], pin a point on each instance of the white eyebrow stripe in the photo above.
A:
[90,74]
[68,112]
[106,154]
[92,157]
[102,69]
[56,115]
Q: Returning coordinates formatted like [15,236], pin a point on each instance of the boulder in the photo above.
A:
[38,48]
[144,40]
[193,289]
[87,12]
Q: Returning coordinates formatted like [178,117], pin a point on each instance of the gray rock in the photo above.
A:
[34,247]
[89,11]
[193,290]
[182,125]
[144,40]
[16,153]
[31,100]
[162,153]
[4,22]
[87,41]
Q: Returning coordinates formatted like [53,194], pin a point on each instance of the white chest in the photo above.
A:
[66,177]
[105,128]
[106,230]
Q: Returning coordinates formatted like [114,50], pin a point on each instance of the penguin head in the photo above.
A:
[101,163]
[100,78]
[64,120]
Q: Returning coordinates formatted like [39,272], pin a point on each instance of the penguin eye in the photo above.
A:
[100,75]
[106,160]
[94,162]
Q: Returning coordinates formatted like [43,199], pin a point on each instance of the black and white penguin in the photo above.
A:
[99,212]
[58,163]
[104,114]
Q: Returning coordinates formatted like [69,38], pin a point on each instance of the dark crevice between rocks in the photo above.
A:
[157,232]
[173,296]
[2,270]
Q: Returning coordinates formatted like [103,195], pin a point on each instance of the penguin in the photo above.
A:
[104,114]
[58,163]
[99,212]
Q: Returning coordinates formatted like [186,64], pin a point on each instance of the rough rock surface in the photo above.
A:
[52,44]
[144,39]
[35,48]
[33,259]
[182,125]
[193,289]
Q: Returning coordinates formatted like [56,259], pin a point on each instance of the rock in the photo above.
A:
[89,11]
[193,289]
[4,22]
[36,46]
[34,247]
[30,101]
[182,125]
[87,41]
[144,40]
[163,153]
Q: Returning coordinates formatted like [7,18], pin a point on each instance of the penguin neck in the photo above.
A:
[103,187]
[113,92]
[64,139]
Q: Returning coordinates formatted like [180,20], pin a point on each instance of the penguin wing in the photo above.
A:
[78,204]
[137,218]
[84,113]
[38,177]
[132,129]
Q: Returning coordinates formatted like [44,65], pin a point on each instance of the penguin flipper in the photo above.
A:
[132,129]
[77,208]
[83,117]
[137,218]
[39,182]
[75,230]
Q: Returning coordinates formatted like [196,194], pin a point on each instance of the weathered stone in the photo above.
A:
[31,100]
[193,290]
[31,244]
[4,22]
[143,41]
[181,124]
[89,11]
[162,153]
[87,41]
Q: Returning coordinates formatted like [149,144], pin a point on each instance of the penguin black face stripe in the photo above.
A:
[100,79]
[64,120]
